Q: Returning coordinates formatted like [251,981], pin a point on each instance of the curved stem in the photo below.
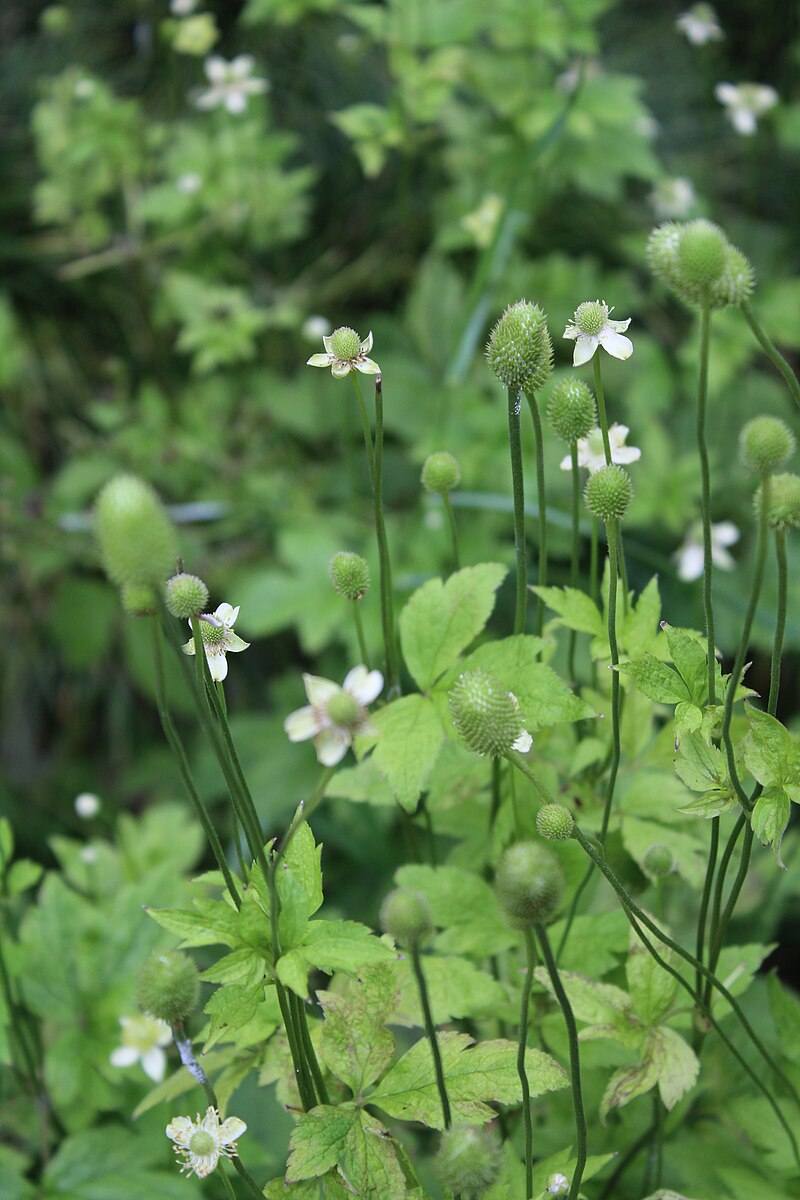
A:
[773,354]
[780,623]
[612,530]
[518,486]
[736,887]
[715,936]
[541,496]
[451,523]
[700,942]
[430,1030]
[362,645]
[575,549]
[705,477]
[530,959]
[387,605]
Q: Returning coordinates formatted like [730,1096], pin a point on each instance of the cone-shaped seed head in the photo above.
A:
[519,350]
[783,509]
[468,1161]
[168,986]
[608,493]
[349,574]
[529,883]
[571,410]
[440,473]
[485,713]
[185,596]
[406,916]
[766,444]
[136,537]
[554,823]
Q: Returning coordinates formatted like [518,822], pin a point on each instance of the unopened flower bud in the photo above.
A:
[783,507]
[699,264]
[136,537]
[185,596]
[520,351]
[702,253]
[608,493]
[530,884]
[168,986]
[486,714]
[659,861]
[349,574]
[468,1160]
[766,444]
[139,599]
[406,916]
[571,410]
[440,473]
[554,822]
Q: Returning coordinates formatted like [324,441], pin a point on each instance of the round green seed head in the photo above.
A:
[136,537]
[529,884]
[468,1160]
[168,986]
[608,493]
[343,709]
[202,1143]
[783,509]
[345,343]
[185,596]
[440,473]
[766,444]
[659,861]
[520,351]
[486,714]
[702,253]
[662,251]
[349,574]
[736,282]
[571,410]
[554,823]
[139,599]
[406,916]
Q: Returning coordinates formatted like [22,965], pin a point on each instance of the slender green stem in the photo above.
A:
[601,406]
[719,886]
[541,499]
[575,549]
[733,896]
[700,942]
[512,788]
[430,1030]
[612,530]
[655,1159]
[705,477]
[780,623]
[594,563]
[307,1096]
[451,523]
[387,606]
[574,1061]
[220,686]
[527,984]
[623,570]
[773,354]
[303,813]
[362,408]
[310,1052]
[231,1194]
[362,645]
[518,486]
[518,760]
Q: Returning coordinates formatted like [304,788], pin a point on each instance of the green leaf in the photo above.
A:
[543,696]
[476,1075]
[457,988]
[656,680]
[24,874]
[230,1008]
[326,1187]
[110,1164]
[769,819]
[676,1064]
[575,609]
[606,1009]
[652,989]
[639,632]
[356,1045]
[369,1164]
[688,851]
[769,751]
[464,905]
[317,1141]
[302,861]
[628,1083]
[785,1008]
[440,620]
[241,966]
[181,1082]
[212,922]
[596,942]
[410,734]
[689,657]
[331,946]
[701,765]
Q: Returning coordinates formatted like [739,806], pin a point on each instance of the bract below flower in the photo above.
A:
[216,631]
[334,715]
[203,1141]
[746,102]
[142,1039]
[689,556]
[592,454]
[700,25]
[231,83]
[591,327]
[345,352]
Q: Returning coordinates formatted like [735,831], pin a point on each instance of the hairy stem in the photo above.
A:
[430,1030]
[705,478]
[518,486]
[527,984]
[541,496]
[362,645]
[575,548]
[612,530]
[451,523]
[773,354]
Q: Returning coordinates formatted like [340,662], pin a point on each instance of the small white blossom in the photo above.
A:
[524,742]
[182,8]
[142,1039]
[231,83]
[481,223]
[84,88]
[557,1185]
[335,715]
[689,556]
[672,198]
[647,126]
[345,352]
[700,25]
[316,327]
[591,327]
[216,631]
[89,855]
[189,183]
[202,1141]
[746,102]
[591,451]
[87,805]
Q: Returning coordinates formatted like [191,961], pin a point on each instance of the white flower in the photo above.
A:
[216,630]
[189,183]
[746,102]
[316,327]
[230,83]
[182,8]
[201,1142]
[87,805]
[591,327]
[591,452]
[700,24]
[524,741]
[672,198]
[647,126]
[142,1039]
[689,556]
[345,352]
[84,88]
[481,223]
[557,1185]
[89,855]
[334,715]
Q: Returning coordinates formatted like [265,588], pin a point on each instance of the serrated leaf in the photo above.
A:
[575,609]
[701,765]
[211,922]
[302,861]
[463,905]
[676,1064]
[326,1187]
[628,1083]
[410,735]
[230,1008]
[317,1141]
[240,966]
[331,946]
[690,660]
[769,819]
[785,1008]
[656,680]
[369,1164]
[651,988]
[606,1009]
[356,1045]
[639,629]
[769,751]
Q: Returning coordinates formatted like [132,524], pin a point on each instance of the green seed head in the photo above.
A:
[440,473]
[345,343]
[659,861]
[783,509]
[485,713]
[662,251]
[554,823]
[608,493]
[168,986]
[135,535]
[571,410]
[736,282]
[349,574]
[766,444]
[139,599]
[529,884]
[343,709]
[202,1143]
[591,317]
[185,596]
[406,916]
[468,1161]
[702,253]
[519,350]
[699,264]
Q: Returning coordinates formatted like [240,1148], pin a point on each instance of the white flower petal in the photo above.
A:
[724,533]
[231,1129]
[571,332]
[217,664]
[366,366]
[585,347]
[617,326]
[236,102]
[331,746]
[154,1064]
[319,360]
[226,613]
[615,344]
[180,1129]
[234,644]
[626,454]
[743,121]
[327,341]
[727,93]
[124,1056]
[366,345]
[690,563]
[340,369]
[301,725]
[319,690]
[216,69]
[210,1121]
[188,647]
[566,463]
[720,557]
[523,742]
[363,685]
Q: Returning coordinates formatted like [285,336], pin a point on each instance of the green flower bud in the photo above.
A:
[530,884]
[485,713]
[168,986]
[349,574]
[406,916]
[702,253]
[345,343]
[468,1160]
[440,473]
[766,444]
[136,537]
[571,410]
[736,282]
[608,493]
[662,251]
[554,823]
[185,596]
[139,599]
[783,509]
[520,351]
[659,861]
[699,264]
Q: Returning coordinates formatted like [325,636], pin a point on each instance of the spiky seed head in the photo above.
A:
[529,884]
[440,473]
[468,1160]
[702,253]
[554,823]
[135,536]
[139,599]
[349,574]
[783,507]
[486,714]
[659,861]
[572,410]
[766,444]
[608,493]
[345,343]
[520,351]
[736,282]
[406,916]
[185,596]
[168,986]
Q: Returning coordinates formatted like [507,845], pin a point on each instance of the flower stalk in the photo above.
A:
[518,487]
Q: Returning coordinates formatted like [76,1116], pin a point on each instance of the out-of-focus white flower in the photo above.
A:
[557,1185]
[481,223]
[647,126]
[568,80]
[203,1141]
[672,198]
[591,452]
[84,88]
[689,556]
[142,1039]
[231,83]
[335,715]
[182,8]
[316,327]
[746,102]
[216,631]
[700,25]
[345,352]
[87,805]
[591,327]
[89,855]
[523,742]
[189,183]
